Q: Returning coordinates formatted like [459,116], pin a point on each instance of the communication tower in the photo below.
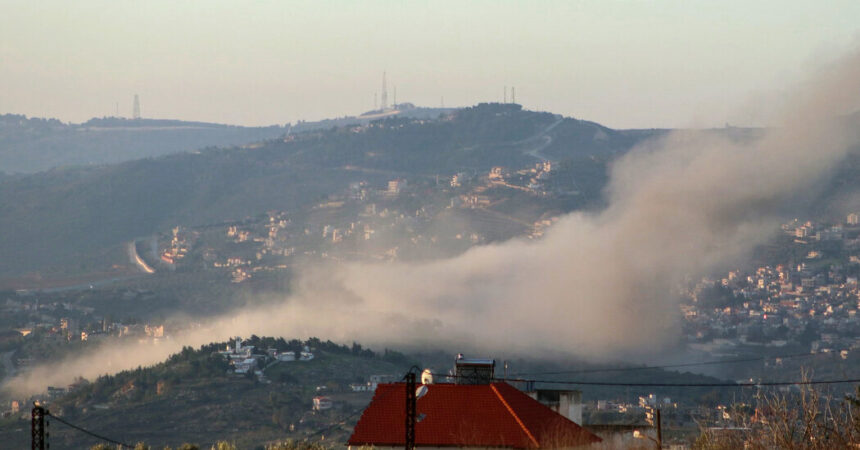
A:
[135,114]
[384,98]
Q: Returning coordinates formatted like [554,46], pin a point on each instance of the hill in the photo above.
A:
[196,396]
[30,145]
[68,219]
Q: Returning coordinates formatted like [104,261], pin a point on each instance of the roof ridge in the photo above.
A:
[515,416]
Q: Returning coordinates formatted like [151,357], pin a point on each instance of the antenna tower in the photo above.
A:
[135,113]
[384,99]
[513,94]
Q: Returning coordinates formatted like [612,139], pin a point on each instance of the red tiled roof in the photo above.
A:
[462,415]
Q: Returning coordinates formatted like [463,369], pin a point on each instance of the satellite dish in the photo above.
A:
[421,391]
[427,377]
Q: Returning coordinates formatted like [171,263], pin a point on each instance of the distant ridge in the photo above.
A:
[122,122]
[30,145]
[56,218]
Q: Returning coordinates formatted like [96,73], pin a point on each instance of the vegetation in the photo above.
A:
[224,445]
[56,220]
[146,383]
[807,419]
[194,396]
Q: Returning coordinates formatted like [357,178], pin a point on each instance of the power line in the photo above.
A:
[668,366]
[734,385]
[82,430]
[342,422]
[347,418]
[632,384]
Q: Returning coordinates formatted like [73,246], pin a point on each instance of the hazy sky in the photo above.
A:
[624,64]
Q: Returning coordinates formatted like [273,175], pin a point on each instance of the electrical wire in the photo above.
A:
[732,385]
[627,384]
[346,419]
[668,366]
[342,422]
[83,430]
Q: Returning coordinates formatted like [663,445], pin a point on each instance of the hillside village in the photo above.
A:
[794,311]
[808,302]
[389,222]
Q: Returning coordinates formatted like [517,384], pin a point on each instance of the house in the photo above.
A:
[568,403]
[322,403]
[286,356]
[395,187]
[245,365]
[493,414]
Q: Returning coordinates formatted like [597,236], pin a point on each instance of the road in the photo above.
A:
[544,139]
[136,259]
[536,152]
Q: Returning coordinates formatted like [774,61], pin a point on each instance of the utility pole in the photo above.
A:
[659,429]
[411,402]
[37,428]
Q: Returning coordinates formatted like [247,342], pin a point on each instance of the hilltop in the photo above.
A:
[30,145]
[73,220]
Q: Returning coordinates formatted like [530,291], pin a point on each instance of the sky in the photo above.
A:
[634,64]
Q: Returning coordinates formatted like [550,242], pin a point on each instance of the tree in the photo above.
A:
[807,419]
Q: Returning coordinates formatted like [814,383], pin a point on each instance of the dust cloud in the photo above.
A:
[597,286]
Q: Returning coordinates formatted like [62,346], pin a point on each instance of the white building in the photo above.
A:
[322,403]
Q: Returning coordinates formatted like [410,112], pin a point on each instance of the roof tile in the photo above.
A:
[457,415]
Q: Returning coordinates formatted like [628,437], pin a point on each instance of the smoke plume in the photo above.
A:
[598,285]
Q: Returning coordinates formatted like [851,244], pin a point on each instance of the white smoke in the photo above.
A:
[596,286]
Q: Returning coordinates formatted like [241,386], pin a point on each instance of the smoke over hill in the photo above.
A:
[597,285]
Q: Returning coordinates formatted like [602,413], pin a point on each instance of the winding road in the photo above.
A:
[546,141]
[136,259]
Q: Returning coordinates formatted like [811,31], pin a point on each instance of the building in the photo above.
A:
[568,403]
[497,174]
[451,415]
[245,365]
[322,403]
[395,187]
